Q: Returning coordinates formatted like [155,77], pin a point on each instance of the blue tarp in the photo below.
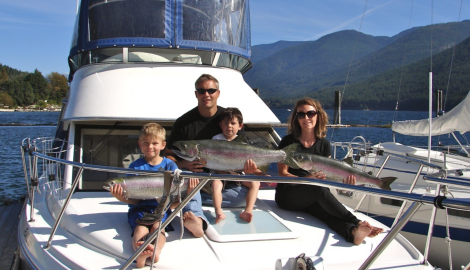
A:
[214,25]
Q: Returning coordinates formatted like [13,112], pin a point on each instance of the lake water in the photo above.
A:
[12,181]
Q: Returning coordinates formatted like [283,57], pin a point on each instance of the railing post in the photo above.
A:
[390,236]
[377,175]
[66,203]
[409,191]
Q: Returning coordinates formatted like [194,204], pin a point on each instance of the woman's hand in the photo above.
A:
[351,179]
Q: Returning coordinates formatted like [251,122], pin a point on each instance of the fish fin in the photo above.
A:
[387,181]
[349,161]
[290,153]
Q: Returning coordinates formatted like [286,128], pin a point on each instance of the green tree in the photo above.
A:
[41,88]
[59,86]
[3,76]
[6,100]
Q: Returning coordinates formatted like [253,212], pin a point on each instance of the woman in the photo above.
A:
[307,127]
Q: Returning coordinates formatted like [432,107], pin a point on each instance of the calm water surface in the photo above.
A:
[12,182]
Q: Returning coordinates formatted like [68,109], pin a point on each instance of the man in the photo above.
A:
[202,123]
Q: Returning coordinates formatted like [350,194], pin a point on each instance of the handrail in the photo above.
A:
[450,203]
[417,199]
[447,182]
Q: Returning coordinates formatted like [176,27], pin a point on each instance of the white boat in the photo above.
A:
[134,62]
[404,162]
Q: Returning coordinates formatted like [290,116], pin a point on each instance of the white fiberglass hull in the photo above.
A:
[94,234]
[417,229]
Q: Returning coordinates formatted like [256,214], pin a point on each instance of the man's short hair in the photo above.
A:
[153,130]
[206,77]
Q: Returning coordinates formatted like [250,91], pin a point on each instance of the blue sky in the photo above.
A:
[37,33]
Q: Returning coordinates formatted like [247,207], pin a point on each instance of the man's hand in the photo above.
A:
[192,184]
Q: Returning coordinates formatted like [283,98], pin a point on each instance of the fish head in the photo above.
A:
[303,162]
[112,182]
[186,150]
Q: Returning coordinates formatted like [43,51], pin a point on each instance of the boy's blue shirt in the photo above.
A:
[142,164]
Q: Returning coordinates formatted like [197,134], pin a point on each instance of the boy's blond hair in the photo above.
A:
[153,130]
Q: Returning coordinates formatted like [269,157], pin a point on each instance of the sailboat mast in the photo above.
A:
[430,117]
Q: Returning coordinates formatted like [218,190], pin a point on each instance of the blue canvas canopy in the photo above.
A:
[208,25]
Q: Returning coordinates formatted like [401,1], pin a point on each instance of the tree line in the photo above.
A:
[18,88]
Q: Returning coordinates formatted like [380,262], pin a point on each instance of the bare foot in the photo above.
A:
[193,224]
[362,231]
[375,231]
[219,216]
[246,216]
[146,254]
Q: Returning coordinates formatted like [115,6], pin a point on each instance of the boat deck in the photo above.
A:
[9,217]
[111,234]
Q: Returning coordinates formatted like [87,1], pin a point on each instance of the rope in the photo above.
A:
[179,183]
[446,191]
[395,116]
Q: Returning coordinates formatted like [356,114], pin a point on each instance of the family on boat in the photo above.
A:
[307,127]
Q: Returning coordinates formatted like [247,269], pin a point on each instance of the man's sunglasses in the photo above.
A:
[309,114]
[203,91]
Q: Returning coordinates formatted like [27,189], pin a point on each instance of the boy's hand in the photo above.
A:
[117,192]
[192,183]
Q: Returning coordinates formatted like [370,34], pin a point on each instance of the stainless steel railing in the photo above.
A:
[417,199]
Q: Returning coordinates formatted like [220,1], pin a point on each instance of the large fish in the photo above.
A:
[143,187]
[229,155]
[337,170]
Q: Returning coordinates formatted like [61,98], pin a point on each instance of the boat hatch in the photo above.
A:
[265,226]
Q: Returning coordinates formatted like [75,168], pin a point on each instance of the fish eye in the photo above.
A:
[112,182]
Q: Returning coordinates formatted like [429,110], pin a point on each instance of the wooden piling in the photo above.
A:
[9,218]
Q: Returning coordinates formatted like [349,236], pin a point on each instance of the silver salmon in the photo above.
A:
[143,187]
[229,155]
[337,170]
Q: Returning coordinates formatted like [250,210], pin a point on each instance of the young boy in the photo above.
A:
[151,142]
[231,121]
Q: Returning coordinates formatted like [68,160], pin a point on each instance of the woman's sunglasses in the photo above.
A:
[309,114]
[203,91]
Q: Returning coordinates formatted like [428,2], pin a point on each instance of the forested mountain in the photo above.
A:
[262,51]
[408,85]
[300,77]
[18,88]
[285,69]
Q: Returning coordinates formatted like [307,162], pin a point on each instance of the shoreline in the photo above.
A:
[27,110]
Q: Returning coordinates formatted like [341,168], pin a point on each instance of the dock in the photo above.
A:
[9,218]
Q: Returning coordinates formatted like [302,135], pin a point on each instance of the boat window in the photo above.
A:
[159,55]
[117,146]
[118,18]
[215,21]
[175,56]
[110,55]
[392,202]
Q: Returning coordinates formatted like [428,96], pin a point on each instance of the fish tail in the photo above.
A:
[290,151]
[387,181]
